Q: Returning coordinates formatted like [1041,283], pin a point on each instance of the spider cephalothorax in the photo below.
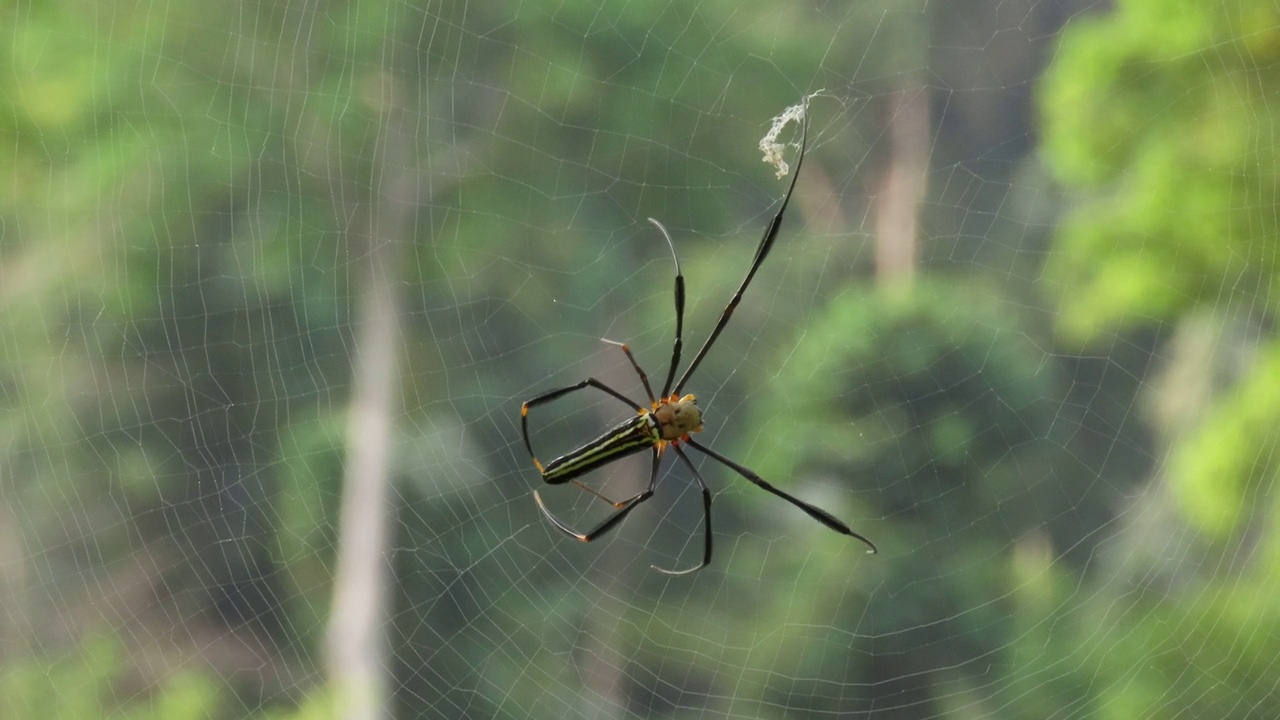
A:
[677,417]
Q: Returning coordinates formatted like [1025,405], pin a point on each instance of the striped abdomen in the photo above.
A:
[639,433]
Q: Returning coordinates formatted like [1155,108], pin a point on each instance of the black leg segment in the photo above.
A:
[812,511]
[706,519]
[762,251]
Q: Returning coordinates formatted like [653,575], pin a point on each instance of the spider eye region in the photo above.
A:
[678,416]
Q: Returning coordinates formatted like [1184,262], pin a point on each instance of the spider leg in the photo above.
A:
[560,392]
[617,504]
[644,377]
[762,250]
[679,290]
[706,517]
[626,506]
[812,511]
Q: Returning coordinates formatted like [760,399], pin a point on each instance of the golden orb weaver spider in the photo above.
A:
[670,418]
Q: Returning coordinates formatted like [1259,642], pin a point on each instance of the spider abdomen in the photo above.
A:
[627,438]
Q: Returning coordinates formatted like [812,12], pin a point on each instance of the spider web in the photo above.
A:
[277,278]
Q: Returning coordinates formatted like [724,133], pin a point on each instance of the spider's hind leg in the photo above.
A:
[609,523]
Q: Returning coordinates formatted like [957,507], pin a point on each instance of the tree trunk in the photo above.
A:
[897,204]
[357,645]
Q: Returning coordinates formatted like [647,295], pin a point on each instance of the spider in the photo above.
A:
[668,421]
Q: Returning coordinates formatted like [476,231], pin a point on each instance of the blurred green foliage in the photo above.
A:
[1166,106]
[1161,117]
[92,682]
[1062,438]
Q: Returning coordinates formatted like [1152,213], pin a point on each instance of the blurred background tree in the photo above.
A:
[1160,115]
[1030,355]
